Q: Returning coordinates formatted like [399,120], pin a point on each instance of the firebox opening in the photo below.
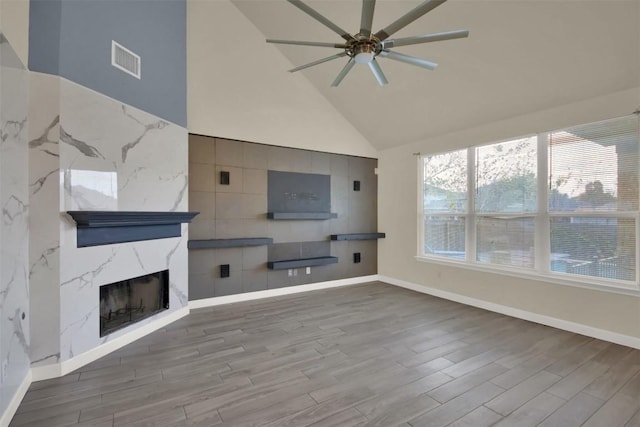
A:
[129,301]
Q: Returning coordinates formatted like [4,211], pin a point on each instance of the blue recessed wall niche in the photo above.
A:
[72,39]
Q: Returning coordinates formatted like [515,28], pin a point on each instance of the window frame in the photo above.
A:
[542,218]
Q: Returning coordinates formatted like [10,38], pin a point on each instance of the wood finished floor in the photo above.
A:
[370,355]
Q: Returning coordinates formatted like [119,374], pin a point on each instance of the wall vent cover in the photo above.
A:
[125,60]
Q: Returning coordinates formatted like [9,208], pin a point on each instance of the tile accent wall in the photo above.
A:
[14,232]
[239,210]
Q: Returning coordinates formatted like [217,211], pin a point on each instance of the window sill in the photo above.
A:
[584,283]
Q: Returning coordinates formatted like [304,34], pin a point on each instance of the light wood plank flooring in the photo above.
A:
[373,355]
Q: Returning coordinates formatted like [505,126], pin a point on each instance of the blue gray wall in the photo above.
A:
[72,39]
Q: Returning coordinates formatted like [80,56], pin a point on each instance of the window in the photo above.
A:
[505,202]
[445,204]
[562,204]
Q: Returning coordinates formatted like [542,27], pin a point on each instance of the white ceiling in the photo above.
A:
[521,56]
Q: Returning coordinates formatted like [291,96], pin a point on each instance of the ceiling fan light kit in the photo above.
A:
[364,47]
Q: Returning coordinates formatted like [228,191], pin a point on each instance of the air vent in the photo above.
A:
[125,60]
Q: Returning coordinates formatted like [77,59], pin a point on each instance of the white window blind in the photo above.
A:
[593,199]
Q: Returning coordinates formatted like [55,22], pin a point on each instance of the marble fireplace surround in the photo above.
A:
[91,153]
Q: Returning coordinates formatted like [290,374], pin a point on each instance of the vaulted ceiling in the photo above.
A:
[521,56]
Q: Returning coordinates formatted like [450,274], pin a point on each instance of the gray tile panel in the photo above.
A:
[200,286]
[228,285]
[229,153]
[254,257]
[202,149]
[254,280]
[255,156]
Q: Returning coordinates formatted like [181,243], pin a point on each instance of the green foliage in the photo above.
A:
[510,194]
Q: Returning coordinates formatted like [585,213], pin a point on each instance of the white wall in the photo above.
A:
[14,21]
[235,95]
[398,210]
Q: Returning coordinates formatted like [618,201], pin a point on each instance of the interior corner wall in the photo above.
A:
[399,214]
[239,88]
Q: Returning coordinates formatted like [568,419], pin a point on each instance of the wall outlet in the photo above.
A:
[308,270]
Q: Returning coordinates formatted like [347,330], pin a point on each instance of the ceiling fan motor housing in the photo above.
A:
[363,51]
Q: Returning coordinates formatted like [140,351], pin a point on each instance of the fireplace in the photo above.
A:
[128,301]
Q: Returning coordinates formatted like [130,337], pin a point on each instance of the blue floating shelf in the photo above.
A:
[229,243]
[302,262]
[358,236]
[301,215]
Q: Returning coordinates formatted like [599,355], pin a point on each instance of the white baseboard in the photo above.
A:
[249,296]
[46,372]
[8,414]
[59,369]
[566,325]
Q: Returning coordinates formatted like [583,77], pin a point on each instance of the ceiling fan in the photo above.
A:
[364,47]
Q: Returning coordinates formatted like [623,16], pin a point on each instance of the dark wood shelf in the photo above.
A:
[95,228]
[358,236]
[301,215]
[302,262]
[229,243]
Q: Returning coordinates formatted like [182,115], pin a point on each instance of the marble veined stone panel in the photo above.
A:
[44,218]
[115,157]
[14,231]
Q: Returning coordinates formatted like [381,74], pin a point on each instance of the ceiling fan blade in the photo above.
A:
[408,18]
[427,38]
[408,59]
[377,72]
[318,17]
[303,43]
[368,6]
[319,61]
[344,72]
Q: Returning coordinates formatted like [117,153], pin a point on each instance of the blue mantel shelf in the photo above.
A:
[96,228]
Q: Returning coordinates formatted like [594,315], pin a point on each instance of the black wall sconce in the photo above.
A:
[224,270]
[225,178]
[356,185]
